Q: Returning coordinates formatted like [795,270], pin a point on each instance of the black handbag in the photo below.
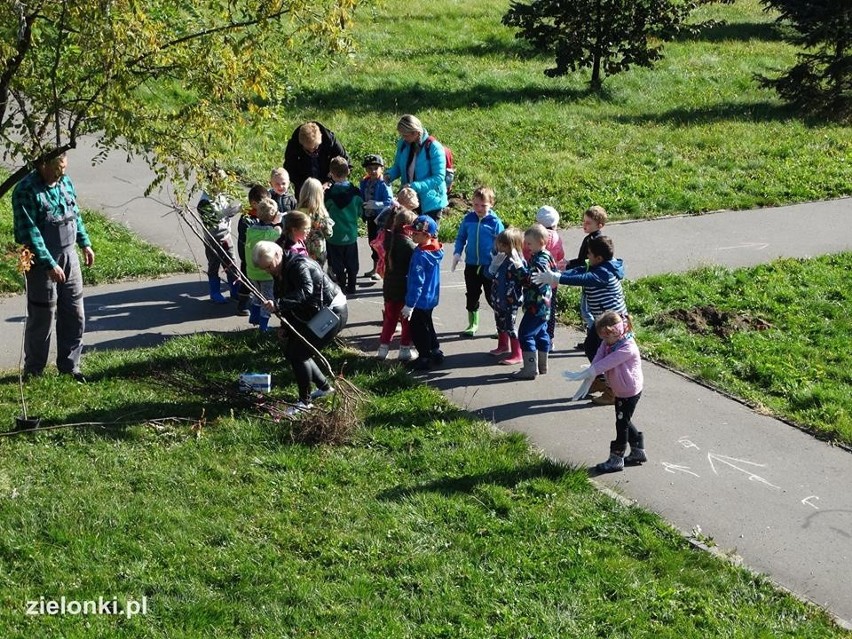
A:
[324,320]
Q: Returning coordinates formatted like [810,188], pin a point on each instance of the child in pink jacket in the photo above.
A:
[618,359]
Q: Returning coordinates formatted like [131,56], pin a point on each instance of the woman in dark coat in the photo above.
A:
[309,152]
[302,289]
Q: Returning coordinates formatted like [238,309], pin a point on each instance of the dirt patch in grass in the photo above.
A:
[709,319]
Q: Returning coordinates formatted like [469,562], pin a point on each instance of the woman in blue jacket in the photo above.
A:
[421,164]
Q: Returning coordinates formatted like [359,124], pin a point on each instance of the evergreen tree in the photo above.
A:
[821,82]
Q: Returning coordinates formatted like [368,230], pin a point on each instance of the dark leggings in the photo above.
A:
[372,233]
[301,360]
[625,431]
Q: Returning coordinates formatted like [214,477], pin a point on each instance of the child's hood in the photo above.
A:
[342,194]
[616,267]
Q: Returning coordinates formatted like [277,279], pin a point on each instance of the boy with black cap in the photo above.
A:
[423,290]
[377,196]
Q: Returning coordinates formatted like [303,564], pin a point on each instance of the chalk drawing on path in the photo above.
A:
[675,468]
[729,461]
[807,500]
[686,443]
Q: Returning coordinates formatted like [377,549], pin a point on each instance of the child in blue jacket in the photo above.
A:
[532,331]
[423,290]
[377,196]
[477,232]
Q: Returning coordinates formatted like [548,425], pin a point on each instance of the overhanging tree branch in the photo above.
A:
[11,66]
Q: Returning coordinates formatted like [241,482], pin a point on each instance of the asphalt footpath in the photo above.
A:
[755,488]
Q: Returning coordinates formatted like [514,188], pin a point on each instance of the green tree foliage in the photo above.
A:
[608,36]
[89,67]
[821,82]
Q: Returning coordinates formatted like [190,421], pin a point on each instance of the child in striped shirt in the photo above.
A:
[601,289]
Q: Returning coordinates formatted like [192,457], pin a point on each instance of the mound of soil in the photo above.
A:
[709,319]
[459,202]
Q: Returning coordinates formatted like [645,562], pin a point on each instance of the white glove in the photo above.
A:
[588,377]
[456,260]
[584,389]
[545,277]
[516,259]
[496,262]
[586,373]
[406,312]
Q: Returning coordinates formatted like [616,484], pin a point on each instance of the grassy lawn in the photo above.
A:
[428,525]
[787,347]
[118,253]
[694,134]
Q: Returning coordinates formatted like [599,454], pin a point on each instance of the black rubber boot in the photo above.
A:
[637,451]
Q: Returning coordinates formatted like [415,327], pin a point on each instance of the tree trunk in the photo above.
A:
[595,83]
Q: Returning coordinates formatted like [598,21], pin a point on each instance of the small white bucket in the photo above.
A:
[261,382]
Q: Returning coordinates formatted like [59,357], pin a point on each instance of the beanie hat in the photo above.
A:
[547,216]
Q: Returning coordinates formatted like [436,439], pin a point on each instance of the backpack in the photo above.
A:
[450,175]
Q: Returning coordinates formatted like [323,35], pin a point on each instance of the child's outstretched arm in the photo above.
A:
[603,361]
[573,277]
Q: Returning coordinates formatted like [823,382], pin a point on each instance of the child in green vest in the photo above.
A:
[267,227]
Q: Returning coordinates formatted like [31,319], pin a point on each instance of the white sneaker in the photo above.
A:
[407,353]
[382,353]
[297,408]
[320,393]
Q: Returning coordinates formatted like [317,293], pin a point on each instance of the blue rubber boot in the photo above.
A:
[263,324]
[215,294]
[254,315]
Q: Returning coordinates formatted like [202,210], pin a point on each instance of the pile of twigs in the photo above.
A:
[335,424]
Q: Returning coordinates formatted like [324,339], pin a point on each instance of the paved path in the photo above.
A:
[757,487]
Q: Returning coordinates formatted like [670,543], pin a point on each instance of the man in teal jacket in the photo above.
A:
[47,221]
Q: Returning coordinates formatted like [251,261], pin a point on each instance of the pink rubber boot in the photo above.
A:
[502,345]
[515,356]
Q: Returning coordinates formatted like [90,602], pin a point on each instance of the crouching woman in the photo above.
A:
[302,290]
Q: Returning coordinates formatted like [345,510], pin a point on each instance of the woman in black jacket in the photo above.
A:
[302,289]
[309,152]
